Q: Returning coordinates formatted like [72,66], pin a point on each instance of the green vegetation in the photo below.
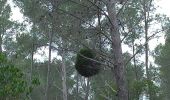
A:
[12,80]
[85,64]
[84,50]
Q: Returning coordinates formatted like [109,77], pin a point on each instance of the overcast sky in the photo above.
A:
[164,8]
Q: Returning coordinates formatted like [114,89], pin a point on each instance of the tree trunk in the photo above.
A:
[77,87]
[134,62]
[146,16]
[32,64]
[49,64]
[32,57]
[146,40]
[0,44]
[118,70]
[64,74]
[87,89]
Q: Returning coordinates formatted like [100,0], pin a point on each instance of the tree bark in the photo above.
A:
[77,86]
[134,62]
[32,56]
[64,74]
[87,89]
[0,44]
[49,64]
[146,39]
[118,70]
[146,16]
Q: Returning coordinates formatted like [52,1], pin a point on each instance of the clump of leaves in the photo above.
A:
[35,82]
[12,80]
[3,59]
[84,63]
[139,87]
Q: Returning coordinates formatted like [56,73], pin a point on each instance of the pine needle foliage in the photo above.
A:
[84,63]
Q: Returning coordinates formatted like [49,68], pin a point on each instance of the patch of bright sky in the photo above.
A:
[42,54]
[164,7]
[16,14]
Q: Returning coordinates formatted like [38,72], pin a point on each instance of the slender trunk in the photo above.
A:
[87,89]
[48,69]
[118,70]
[0,43]
[99,24]
[146,50]
[146,40]
[146,16]
[135,68]
[32,64]
[64,75]
[1,36]
[32,60]
[134,62]
[77,87]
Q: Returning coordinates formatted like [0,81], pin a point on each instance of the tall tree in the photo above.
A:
[118,70]
[64,77]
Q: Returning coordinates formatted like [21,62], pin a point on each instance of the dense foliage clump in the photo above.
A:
[12,80]
[85,64]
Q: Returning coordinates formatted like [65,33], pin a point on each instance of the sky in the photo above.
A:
[164,8]
[16,14]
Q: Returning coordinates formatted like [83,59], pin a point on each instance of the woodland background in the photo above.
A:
[61,28]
